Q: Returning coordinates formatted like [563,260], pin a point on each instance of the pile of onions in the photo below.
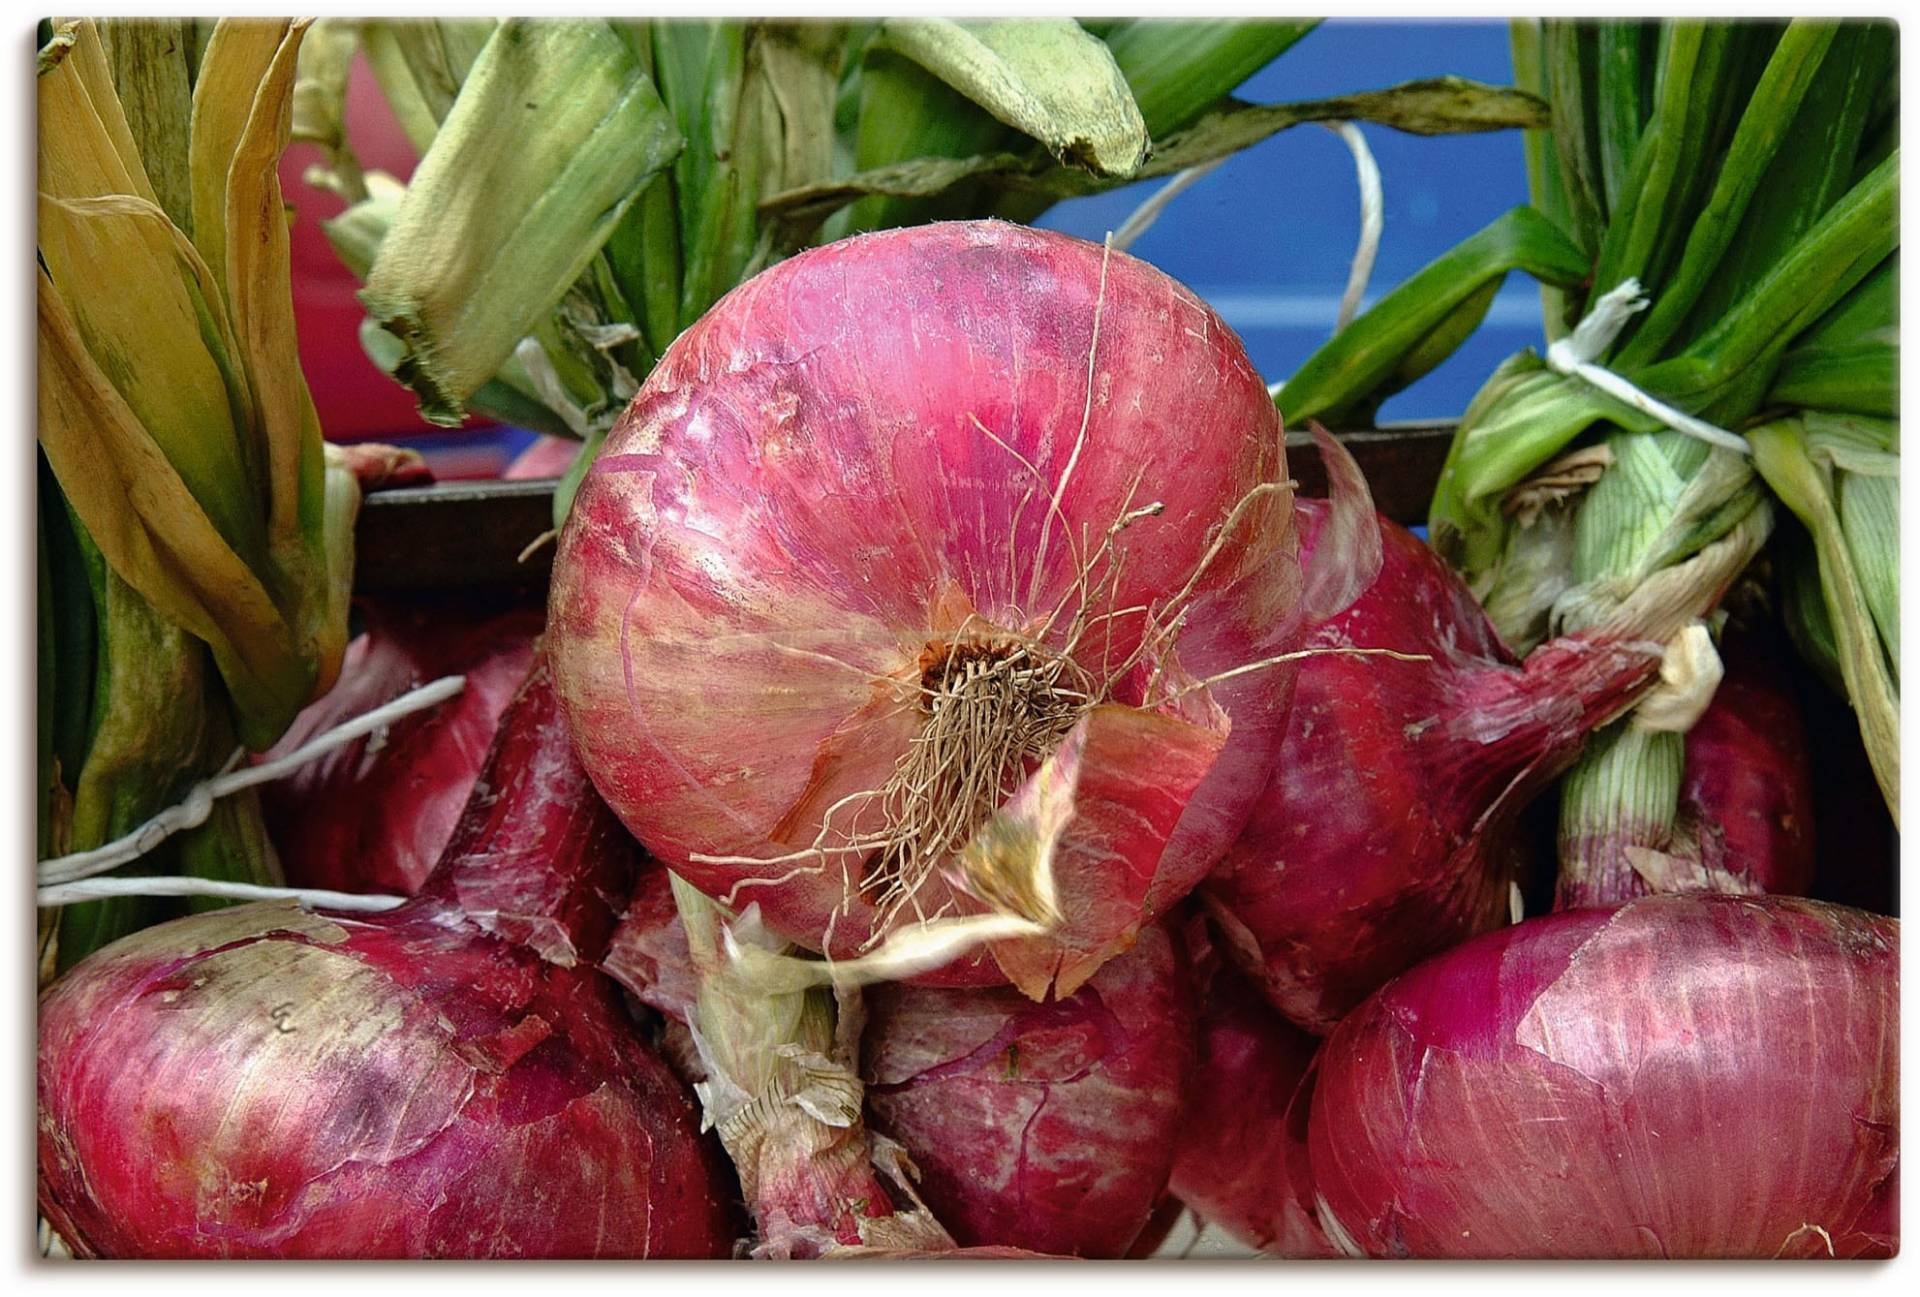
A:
[1049,1127]
[878,532]
[1242,1146]
[1385,832]
[448,1078]
[374,815]
[1682,1076]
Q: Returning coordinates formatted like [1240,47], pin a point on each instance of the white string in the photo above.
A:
[1372,220]
[1373,207]
[194,808]
[1149,211]
[1574,356]
[93,889]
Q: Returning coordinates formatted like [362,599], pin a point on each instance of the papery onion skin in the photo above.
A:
[1048,1127]
[821,487]
[1242,1161]
[448,1079]
[1384,832]
[1748,776]
[374,815]
[1682,1076]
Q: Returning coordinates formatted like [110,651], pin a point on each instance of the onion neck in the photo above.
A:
[1529,724]
[781,1089]
[1619,802]
[536,856]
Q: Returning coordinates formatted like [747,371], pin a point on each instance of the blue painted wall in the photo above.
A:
[1268,237]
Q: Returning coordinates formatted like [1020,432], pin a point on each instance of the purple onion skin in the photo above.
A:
[1242,1160]
[1745,817]
[1683,1076]
[447,1079]
[1749,782]
[1386,830]
[1044,1127]
[374,816]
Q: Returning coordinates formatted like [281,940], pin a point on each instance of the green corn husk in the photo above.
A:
[1046,78]
[198,546]
[189,387]
[511,203]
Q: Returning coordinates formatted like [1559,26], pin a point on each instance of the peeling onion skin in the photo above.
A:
[1386,831]
[1044,1127]
[1242,1162]
[374,814]
[434,1081]
[799,502]
[1683,1076]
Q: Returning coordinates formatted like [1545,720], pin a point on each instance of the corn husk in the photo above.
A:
[198,556]
[511,203]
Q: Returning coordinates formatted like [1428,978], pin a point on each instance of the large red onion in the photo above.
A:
[1242,1159]
[449,1078]
[1385,831]
[857,536]
[374,815]
[1683,1076]
[1048,1127]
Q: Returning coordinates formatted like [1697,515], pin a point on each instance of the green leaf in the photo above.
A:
[555,133]
[1788,77]
[1352,367]
[1178,70]
[1434,106]
[1618,112]
[1861,377]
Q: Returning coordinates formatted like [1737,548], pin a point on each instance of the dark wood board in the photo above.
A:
[470,535]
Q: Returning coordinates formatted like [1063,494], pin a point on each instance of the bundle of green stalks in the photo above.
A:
[1743,177]
[195,536]
[587,189]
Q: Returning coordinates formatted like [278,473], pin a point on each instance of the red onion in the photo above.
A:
[877,532]
[1683,1076]
[449,1078]
[1048,1127]
[1384,832]
[374,814]
[1242,1160]
[1744,817]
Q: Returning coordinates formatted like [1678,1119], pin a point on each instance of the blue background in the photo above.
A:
[1268,237]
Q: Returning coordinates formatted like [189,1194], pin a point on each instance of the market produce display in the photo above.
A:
[955,797]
